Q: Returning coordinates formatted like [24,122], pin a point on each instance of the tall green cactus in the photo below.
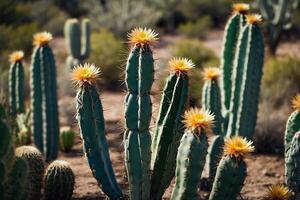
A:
[16,83]
[292,165]
[191,154]
[59,181]
[138,112]
[278,15]
[35,162]
[92,127]
[44,97]
[230,41]
[77,41]
[247,74]
[169,128]
[232,169]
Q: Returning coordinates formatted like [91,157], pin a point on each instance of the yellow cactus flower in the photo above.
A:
[42,38]
[180,65]
[85,74]
[142,36]
[196,119]
[296,102]
[240,7]
[16,56]
[211,73]
[253,19]
[237,147]
[278,192]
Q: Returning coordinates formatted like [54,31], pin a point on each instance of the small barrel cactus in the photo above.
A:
[278,192]
[191,154]
[35,162]
[232,169]
[59,181]
[67,139]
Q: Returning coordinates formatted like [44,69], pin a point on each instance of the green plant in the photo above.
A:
[77,41]
[59,181]
[232,169]
[169,127]
[23,135]
[16,83]
[191,154]
[45,124]
[35,162]
[92,127]
[67,139]
[197,29]
[110,59]
[279,15]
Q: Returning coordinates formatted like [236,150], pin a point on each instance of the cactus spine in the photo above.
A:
[59,181]
[191,154]
[232,169]
[67,138]
[44,98]
[35,162]
[92,127]
[169,126]
[138,111]
[16,83]
[77,41]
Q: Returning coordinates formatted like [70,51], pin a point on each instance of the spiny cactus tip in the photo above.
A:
[278,192]
[142,36]
[196,119]
[240,7]
[16,56]
[85,74]
[253,19]
[180,65]
[237,147]
[42,38]
[211,73]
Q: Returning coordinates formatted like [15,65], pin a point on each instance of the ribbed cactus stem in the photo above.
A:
[59,181]
[214,156]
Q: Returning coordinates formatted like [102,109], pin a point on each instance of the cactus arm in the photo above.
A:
[292,126]
[85,39]
[169,136]
[190,163]
[229,180]
[20,87]
[214,156]
[91,123]
[72,37]
[132,71]
[12,91]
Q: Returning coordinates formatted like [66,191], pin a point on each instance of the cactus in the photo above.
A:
[191,154]
[16,185]
[59,181]
[45,124]
[278,15]
[77,41]
[292,125]
[67,139]
[16,83]
[92,127]
[35,162]
[24,132]
[138,111]
[278,192]
[247,74]
[292,165]
[232,169]
[169,126]
[230,41]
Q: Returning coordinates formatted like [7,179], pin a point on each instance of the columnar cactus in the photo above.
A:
[232,169]
[16,83]
[138,112]
[92,127]
[45,124]
[35,162]
[77,41]
[278,192]
[66,139]
[59,181]
[169,128]
[191,154]
[230,42]
[247,74]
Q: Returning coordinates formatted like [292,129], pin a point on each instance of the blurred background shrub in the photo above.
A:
[196,29]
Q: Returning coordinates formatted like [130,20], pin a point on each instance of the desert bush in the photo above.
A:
[107,52]
[197,29]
